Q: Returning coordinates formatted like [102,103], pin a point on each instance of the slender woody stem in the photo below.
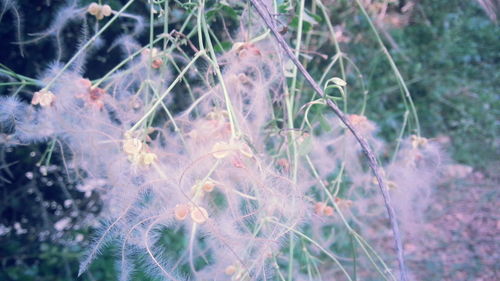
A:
[266,16]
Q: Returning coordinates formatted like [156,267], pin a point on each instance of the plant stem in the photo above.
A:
[159,100]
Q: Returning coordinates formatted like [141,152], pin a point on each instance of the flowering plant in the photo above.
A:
[224,146]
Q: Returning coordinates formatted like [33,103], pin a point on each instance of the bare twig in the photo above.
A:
[266,16]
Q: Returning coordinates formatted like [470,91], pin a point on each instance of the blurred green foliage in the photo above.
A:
[449,56]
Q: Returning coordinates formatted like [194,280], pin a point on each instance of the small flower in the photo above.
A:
[94,9]
[357,120]
[148,158]
[208,186]
[92,95]
[155,55]
[283,164]
[99,11]
[156,63]
[44,98]
[199,215]
[417,141]
[132,146]
[181,211]
[322,209]
[230,270]
[237,272]
[246,49]
[106,10]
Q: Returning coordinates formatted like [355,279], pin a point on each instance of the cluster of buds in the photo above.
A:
[138,152]
[322,209]
[99,11]
[198,214]
[155,55]
[44,98]
[92,95]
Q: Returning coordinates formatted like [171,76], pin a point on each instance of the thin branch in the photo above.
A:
[266,16]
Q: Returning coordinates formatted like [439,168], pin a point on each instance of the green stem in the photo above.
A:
[169,89]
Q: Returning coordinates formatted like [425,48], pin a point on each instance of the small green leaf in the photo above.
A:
[226,46]
[229,11]
[338,81]
[306,26]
